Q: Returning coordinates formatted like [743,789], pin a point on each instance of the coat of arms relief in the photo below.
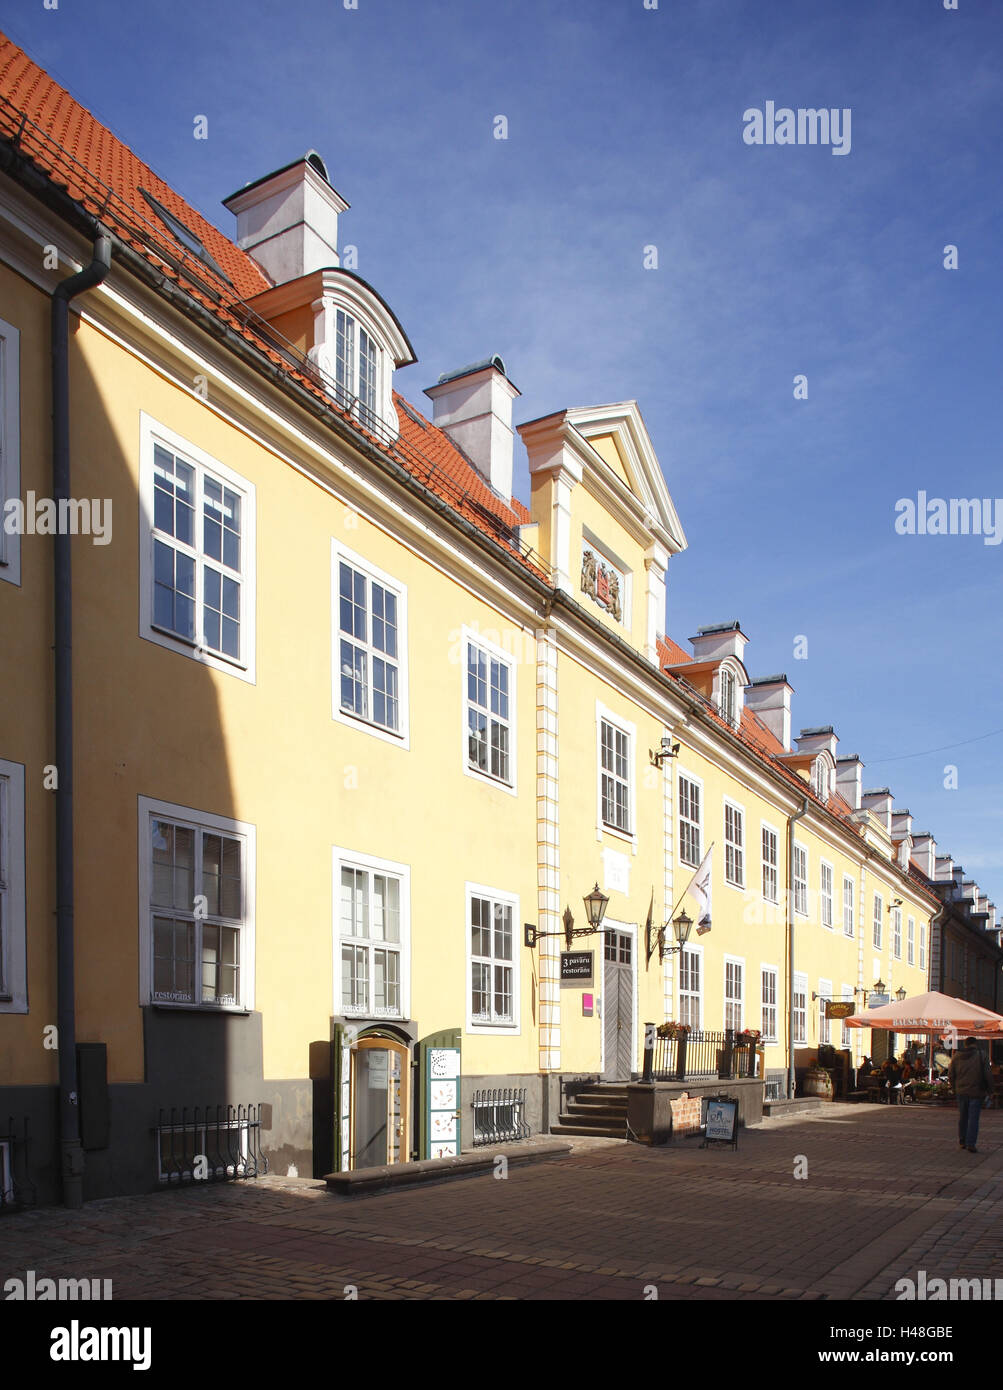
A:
[601,582]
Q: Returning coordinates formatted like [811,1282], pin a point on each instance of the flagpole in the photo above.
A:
[690,884]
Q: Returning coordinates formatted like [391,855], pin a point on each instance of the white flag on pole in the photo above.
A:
[700,888]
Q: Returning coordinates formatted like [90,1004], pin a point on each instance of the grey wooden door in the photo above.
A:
[618,1005]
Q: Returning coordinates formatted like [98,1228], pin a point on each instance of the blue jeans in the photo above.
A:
[969,1110]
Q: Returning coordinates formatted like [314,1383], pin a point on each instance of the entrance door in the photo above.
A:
[379,1103]
[618,1005]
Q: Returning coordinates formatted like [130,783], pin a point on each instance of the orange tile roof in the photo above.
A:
[97,170]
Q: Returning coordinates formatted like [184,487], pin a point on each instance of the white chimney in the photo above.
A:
[944,867]
[925,852]
[770,698]
[879,801]
[849,779]
[474,407]
[719,640]
[819,740]
[288,221]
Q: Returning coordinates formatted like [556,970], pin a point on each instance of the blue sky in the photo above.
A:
[625,130]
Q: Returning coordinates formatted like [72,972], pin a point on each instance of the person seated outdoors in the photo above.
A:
[893,1081]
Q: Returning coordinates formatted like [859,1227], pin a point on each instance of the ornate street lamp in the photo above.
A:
[596,903]
[900,993]
[682,926]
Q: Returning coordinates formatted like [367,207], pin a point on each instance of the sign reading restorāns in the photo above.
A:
[576,967]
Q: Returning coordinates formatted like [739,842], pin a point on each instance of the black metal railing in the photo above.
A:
[209,1144]
[701,1055]
[499,1116]
[16,1189]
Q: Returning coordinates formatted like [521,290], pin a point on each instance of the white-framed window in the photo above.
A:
[356,368]
[10,448]
[196,888]
[734,844]
[197,549]
[848,998]
[489,700]
[820,778]
[877,922]
[691,986]
[492,960]
[800,1009]
[690,793]
[771,880]
[372,936]
[910,941]
[369,642]
[13,955]
[800,866]
[897,933]
[848,891]
[615,740]
[922,945]
[825,894]
[729,699]
[769,974]
[824,994]
[734,994]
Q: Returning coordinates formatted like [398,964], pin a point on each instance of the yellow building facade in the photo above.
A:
[348,719]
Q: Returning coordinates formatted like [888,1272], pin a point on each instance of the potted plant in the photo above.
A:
[672,1030]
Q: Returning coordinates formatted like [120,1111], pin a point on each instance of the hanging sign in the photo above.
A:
[838,1008]
[577,967]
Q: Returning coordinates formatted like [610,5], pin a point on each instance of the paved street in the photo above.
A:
[887,1193]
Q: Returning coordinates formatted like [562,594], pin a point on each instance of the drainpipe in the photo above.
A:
[790,945]
[71,1151]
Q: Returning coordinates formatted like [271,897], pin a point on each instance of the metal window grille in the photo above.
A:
[15,1188]
[775,1087]
[212,1144]
[499,1116]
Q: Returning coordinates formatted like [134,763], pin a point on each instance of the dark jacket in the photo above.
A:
[969,1073]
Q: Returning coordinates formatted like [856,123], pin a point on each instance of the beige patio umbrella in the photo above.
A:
[932,1014]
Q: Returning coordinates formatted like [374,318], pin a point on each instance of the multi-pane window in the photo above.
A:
[488,716]
[491,961]
[910,941]
[877,927]
[800,861]
[728,695]
[824,995]
[355,367]
[734,842]
[800,1009]
[197,914]
[820,778]
[897,933]
[825,894]
[369,648]
[615,772]
[689,821]
[847,906]
[733,994]
[848,997]
[199,559]
[922,945]
[769,1004]
[370,942]
[689,988]
[770,850]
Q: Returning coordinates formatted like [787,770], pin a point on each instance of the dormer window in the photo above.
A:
[820,778]
[728,697]
[355,368]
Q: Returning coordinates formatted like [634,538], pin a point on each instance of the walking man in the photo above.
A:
[972,1081]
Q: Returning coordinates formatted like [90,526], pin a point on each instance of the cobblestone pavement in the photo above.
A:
[887,1192]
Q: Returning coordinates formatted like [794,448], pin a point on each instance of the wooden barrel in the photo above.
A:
[818,1082]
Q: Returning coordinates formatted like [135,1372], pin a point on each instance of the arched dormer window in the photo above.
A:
[821,776]
[728,695]
[358,342]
